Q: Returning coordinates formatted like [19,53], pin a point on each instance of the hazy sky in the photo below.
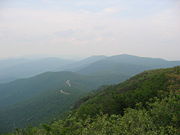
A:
[90,27]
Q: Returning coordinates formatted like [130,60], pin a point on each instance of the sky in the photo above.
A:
[81,28]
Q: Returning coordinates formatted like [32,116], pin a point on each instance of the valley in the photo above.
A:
[48,96]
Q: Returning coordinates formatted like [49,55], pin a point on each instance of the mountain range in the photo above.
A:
[145,104]
[48,95]
[13,69]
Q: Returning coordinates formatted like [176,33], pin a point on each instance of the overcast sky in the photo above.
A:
[148,28]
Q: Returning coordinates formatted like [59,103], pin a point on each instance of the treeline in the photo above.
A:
[147,104]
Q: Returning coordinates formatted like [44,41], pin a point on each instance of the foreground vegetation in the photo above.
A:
[147,104]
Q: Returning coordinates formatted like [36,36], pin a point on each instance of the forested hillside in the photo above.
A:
[146,104]
[44,97]
[47,96]
[89,67]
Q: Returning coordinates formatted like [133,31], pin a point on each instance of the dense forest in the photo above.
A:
[146,104]
[47,96]
[89,67]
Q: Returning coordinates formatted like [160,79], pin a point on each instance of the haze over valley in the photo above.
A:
[46,95]
[98,67]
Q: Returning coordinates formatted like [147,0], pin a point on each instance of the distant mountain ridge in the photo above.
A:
[48,94]
[45,96]
[146,104]
[128,64]
[13,69]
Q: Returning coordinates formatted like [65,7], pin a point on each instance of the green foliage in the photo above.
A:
[147,104]
[166,111]
[151,121]
[38,99]
[114,99]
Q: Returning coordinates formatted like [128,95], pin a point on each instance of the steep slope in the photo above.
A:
[39,98]
[145,104]
[139,88]
[55,92]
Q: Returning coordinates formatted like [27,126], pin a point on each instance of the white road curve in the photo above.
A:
[63,92]
[68,83]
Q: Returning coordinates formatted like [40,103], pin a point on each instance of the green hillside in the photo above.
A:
[146,104]
[47,96]
[41,98]
[139,88]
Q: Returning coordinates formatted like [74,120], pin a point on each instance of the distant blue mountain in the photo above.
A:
[12,69]
[44,96]
[126,64]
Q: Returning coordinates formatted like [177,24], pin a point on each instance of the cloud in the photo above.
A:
[27,31]
[112,10]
